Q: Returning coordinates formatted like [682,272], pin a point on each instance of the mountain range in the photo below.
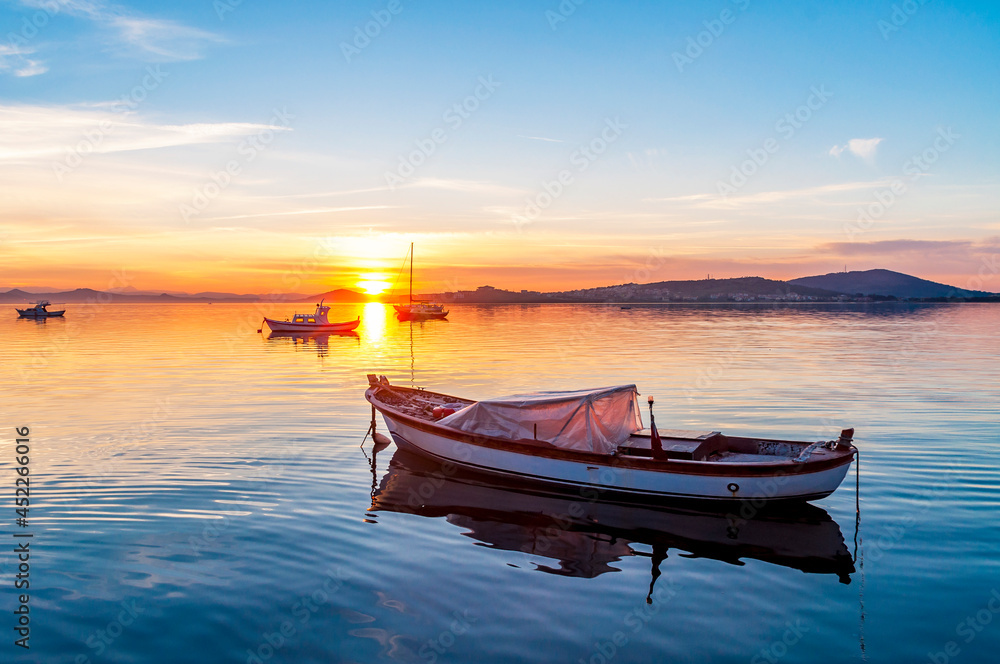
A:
[877,284]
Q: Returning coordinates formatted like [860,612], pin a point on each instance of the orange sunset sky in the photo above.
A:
[254,152]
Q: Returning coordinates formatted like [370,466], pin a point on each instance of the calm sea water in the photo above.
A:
[198,493]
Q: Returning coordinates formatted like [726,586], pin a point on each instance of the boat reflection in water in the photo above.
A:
[585,536]
[319,340]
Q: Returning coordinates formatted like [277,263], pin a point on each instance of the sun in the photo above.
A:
[374,286]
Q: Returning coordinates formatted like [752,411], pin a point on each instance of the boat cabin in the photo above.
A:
[318,317]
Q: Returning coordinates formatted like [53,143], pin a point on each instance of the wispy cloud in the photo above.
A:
[471,186]
[283,213]
[29,133]
[155,39]
[541,138]
[12,58]
[713,201]
[862,147]
[681,199]
[168,40]
[905,246]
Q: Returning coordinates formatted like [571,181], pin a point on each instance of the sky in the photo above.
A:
[259,147]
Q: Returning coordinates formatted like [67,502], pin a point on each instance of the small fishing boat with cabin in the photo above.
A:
[594,440]
[39,311]
[314,322]
[418,309]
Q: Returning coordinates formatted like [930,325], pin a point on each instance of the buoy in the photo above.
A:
[381,441]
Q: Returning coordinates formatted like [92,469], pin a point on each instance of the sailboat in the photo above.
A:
[418,309]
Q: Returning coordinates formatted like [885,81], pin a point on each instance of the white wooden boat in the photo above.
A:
[594,440]
[418,309]
[39,311]
[314,322]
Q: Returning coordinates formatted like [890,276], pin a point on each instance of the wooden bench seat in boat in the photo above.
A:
[677,444]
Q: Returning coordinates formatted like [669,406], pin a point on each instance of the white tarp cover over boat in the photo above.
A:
[583,420]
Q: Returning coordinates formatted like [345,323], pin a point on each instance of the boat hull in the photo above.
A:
[288,326]
[410,316]
[610,478]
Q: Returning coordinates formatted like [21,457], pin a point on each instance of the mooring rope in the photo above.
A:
[859,551]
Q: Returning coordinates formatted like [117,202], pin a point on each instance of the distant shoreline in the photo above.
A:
[759,303]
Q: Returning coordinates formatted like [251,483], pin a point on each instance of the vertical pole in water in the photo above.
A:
[411,273]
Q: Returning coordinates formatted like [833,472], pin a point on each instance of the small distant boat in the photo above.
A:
[418,309]
[594,440]
[626,307]
[314,322]
[39,311]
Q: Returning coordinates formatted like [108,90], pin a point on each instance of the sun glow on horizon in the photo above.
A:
[373,284]
[374,287]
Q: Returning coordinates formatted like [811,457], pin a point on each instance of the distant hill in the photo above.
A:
[884,282]
[88,295]
[133,296]
[341,295]
[838,286]
[742,289]
[752,286]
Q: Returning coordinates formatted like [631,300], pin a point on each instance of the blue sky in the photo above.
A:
[315,137]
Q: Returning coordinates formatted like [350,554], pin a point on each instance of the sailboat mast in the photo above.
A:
[411,273]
